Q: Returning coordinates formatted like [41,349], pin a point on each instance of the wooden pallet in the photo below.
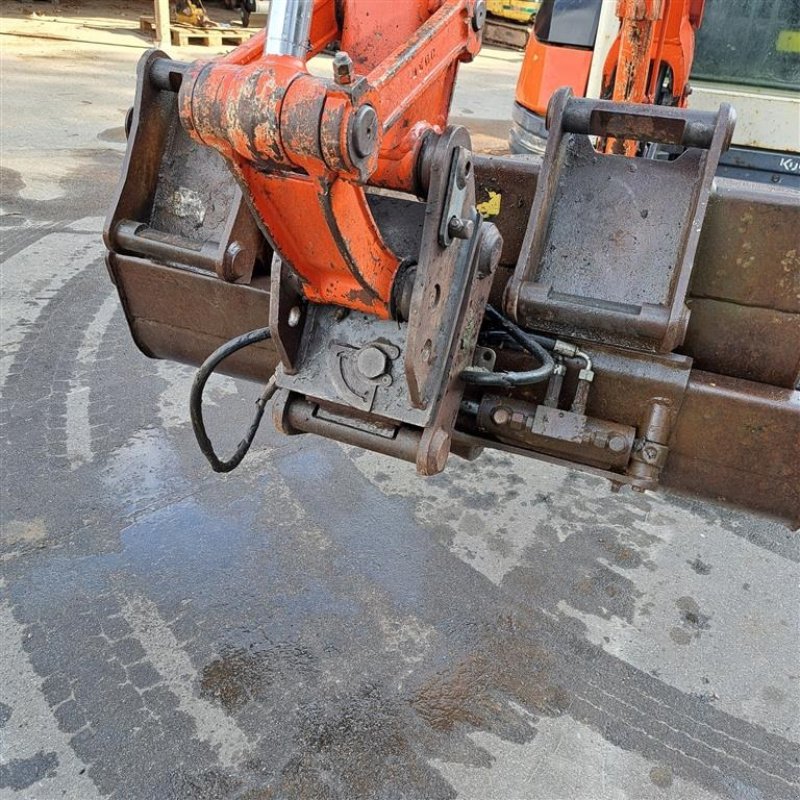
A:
[183,35]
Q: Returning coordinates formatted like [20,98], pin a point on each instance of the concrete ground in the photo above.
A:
[322,623]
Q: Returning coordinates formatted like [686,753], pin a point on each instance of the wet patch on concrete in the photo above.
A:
[11,184]
[15,532]
[691,614]
[472,692]
[363,745]
[241,675]
[84,188]
[209,784]
[680,636]
[294,630]
[20,773]
[661,776]
[693,622]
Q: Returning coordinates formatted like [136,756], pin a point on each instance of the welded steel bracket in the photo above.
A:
[184,250]
[610,243]
[405,374]
[177,204]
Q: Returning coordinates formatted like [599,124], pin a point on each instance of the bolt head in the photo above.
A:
[617,444]
[517,420]
[371,362]
[650,453]
[501,416]
[479,15]
[459,228]
[342,68]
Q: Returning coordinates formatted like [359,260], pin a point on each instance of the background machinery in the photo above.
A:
[744,52]
[509,22]
[632,317]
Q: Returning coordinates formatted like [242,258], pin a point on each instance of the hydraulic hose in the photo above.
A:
[528,342]
[196,401]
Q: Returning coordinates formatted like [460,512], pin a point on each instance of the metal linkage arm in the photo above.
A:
[303,147]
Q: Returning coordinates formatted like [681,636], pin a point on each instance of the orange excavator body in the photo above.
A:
[648,62]
[652,56]
[546,68]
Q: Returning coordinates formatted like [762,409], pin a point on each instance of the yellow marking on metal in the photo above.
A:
[788,42]
[491,207]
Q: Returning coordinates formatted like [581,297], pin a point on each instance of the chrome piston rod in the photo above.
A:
[288,28]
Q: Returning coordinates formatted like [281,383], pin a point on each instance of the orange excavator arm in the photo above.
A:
[651,58]
[303,147]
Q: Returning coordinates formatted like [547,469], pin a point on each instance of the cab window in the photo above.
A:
[751,42]
[572,23]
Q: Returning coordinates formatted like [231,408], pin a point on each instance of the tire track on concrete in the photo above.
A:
[78,428]
[16,238]
[545,663]
[42,334]
[37,265]
[47,356]
[56,360]
[29,282]
[70,391]
[713,748]
[166,654]
[106,697]
[36,733]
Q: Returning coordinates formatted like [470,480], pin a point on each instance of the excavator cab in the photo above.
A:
[743,52]
[559,53]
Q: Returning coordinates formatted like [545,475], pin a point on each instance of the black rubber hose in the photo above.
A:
[498,338]
[529,343]
[520,336]
[196,401]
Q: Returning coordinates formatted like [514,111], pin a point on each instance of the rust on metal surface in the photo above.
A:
[558,432]
[717,416]
[184,315]
[303,147]
[745,292]
[625,278]
[738,441]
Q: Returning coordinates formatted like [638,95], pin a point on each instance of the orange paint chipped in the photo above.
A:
[287,135]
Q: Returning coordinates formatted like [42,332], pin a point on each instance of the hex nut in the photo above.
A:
[617,444]
[342,68]
[459,228]
[517,420]
[371,362]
